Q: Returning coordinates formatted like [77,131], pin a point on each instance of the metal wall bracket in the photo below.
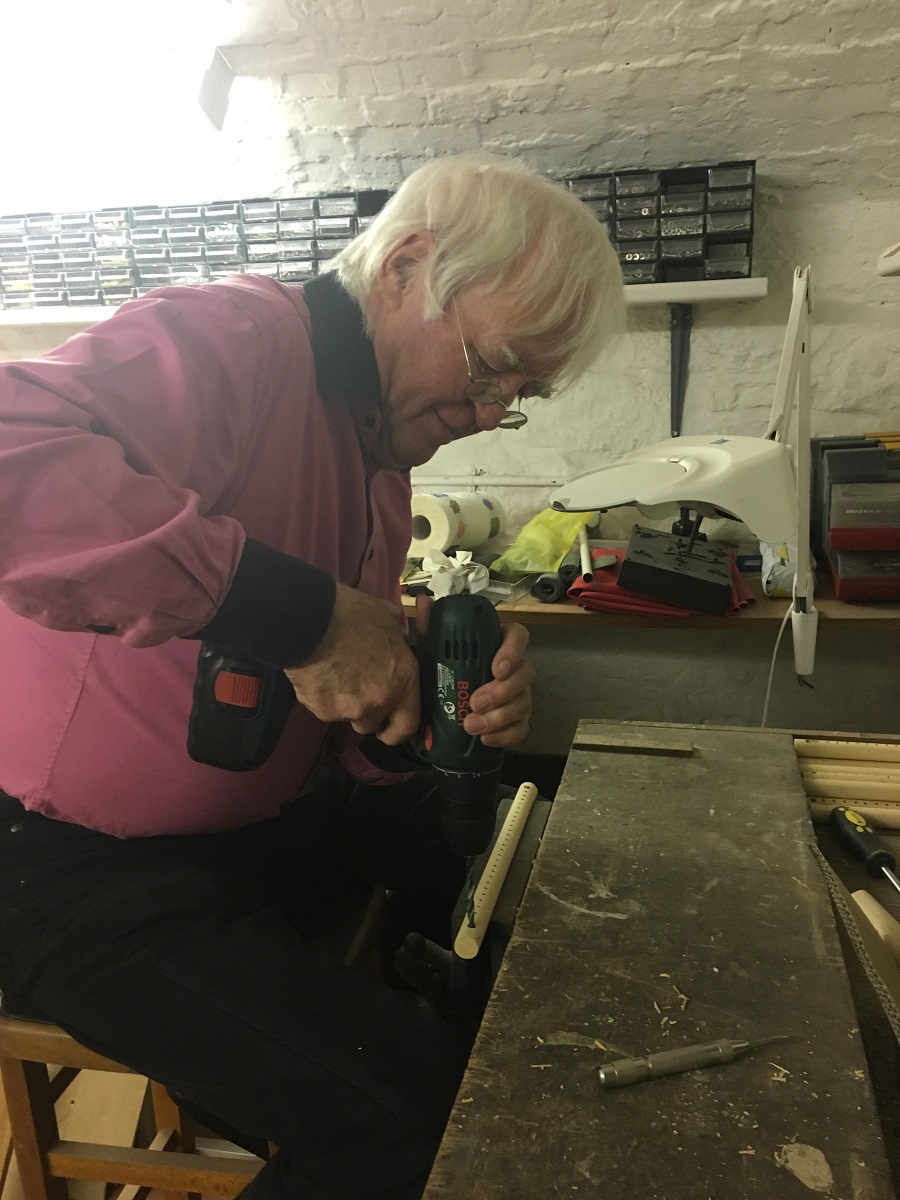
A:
[682,316]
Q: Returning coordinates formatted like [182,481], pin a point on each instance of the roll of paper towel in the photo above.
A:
[462,519]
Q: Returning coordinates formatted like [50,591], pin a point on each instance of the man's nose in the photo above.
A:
[489,416]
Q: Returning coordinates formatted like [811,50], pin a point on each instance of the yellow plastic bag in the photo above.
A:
[541,545]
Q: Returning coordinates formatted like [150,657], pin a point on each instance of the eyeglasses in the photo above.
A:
[487,391]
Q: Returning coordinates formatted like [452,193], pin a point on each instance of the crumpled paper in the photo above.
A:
[450,576]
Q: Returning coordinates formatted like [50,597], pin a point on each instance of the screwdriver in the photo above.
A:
[862,841]
[671,1062]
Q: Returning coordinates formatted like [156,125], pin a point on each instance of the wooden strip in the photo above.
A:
[174,1172]
[587,741]
[879,816]
[887,928]
[857,751]
[166,1139]
[37,1042]
[859,789]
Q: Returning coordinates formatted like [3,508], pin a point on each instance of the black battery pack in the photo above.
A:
[657,564]
[240,709]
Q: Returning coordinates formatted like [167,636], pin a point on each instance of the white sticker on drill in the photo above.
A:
[446,686]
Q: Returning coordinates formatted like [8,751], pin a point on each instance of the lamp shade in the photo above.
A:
[748,478]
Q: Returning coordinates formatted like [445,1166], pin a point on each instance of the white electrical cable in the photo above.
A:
[783,626]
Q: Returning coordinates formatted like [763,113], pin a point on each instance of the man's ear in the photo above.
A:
[400,265]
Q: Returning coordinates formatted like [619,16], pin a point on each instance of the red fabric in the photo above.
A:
[603,593]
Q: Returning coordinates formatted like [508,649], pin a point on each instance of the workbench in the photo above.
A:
[675,899]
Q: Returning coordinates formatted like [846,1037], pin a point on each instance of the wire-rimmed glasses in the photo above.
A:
[488,391]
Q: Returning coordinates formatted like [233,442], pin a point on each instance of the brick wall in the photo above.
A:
[358,92]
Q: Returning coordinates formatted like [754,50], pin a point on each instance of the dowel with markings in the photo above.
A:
[470,937]
[852,789]
[875,772]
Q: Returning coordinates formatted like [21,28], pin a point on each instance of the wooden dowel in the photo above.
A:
[870,772]
[879,816]
[470,937]
[852,789]
[584,550]
[855,751]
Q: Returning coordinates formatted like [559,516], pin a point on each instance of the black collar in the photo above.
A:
[342,350]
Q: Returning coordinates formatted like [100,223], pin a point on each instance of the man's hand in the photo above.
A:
[363,671]
[501,709]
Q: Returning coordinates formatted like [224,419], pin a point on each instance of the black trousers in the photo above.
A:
[191,960]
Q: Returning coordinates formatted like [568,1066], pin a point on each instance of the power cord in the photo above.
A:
[765,712]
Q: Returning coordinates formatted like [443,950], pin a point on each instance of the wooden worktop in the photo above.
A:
[529,611]
[674,901]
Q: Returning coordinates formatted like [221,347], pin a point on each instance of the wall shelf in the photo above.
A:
[63,315]
[721,290]
[716,290]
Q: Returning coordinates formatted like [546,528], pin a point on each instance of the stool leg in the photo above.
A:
[32,1120]
[169,1116]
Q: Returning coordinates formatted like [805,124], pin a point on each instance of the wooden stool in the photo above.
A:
[170,1163]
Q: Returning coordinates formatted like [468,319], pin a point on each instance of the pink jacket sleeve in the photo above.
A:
[114,449]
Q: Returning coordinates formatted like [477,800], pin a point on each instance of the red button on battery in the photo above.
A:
[240,690]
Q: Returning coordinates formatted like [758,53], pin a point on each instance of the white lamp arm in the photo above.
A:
[786,382]
[795,382]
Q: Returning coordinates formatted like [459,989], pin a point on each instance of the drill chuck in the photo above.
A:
[468,808]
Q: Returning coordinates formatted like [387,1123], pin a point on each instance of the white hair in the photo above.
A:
[497,222]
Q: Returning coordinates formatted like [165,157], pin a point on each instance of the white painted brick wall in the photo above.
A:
[360,92]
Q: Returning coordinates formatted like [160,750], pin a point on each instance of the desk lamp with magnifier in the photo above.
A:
[757,480]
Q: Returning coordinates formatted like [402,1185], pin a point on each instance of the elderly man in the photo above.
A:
[230,462]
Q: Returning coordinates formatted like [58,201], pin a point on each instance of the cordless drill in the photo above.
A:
[240,709]
[455,659]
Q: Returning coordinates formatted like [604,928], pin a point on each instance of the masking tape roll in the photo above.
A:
[461,519]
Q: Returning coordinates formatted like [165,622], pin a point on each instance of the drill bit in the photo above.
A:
[470,890]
